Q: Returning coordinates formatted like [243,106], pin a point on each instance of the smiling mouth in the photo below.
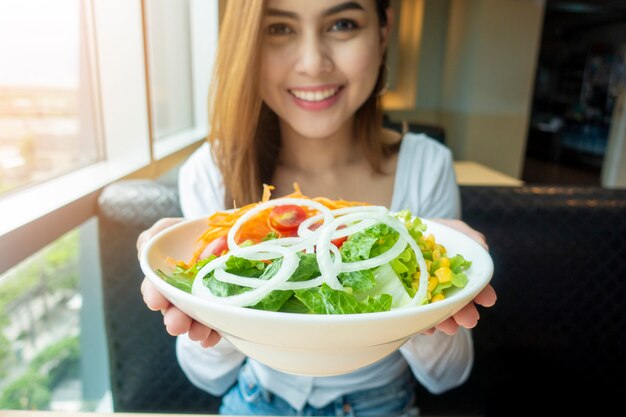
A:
[315,96]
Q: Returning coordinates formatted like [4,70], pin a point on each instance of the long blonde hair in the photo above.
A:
[244,133]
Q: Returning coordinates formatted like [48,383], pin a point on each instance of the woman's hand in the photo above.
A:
[468,316]
[176,322]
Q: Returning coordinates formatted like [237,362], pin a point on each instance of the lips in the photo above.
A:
[314,95]
[316,98]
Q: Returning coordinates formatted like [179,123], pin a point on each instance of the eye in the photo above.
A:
[279,29]
[344,25]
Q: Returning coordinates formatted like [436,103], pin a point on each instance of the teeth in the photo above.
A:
[314,95]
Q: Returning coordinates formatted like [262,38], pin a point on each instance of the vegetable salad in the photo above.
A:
[301,255]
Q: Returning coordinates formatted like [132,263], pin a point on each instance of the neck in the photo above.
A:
[318,155]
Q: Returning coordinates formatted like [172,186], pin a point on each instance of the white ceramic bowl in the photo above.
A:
[312,344]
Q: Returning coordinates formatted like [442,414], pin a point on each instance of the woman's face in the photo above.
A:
[320,61]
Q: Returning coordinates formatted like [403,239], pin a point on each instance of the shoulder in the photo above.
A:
[425,178]
[420,150]
[201,166]
[417,144]
[200,184]
[199,161]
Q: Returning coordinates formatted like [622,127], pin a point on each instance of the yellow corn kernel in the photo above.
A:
[437,297]
[441,249]
[429,296]
[444,274]
[430,242]
[428,264]
[444,261]
[436,255]
[416,276]
[415,284]
[432,283]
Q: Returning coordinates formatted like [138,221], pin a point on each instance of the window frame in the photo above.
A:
[115,33]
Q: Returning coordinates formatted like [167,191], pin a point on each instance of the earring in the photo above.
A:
[382,85]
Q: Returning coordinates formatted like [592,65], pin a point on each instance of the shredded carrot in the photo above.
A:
[267,192]
[177,263]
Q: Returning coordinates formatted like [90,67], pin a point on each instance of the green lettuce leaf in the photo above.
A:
[293,305]
[368,243]
[244,267]
[458,264]
[325,300]
[388,282]
[358,281]
[182,278]
[274,300]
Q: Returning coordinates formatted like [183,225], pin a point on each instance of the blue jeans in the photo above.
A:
[396,399]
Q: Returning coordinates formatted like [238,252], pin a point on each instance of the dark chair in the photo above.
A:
[555,341]
[145,376]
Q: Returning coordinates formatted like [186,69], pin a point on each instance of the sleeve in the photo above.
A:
[201,192]
[439,361]
[442,196]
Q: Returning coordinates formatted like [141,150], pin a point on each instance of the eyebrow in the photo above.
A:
[349,5]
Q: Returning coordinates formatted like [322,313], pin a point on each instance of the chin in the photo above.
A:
[316,127]
[315,132]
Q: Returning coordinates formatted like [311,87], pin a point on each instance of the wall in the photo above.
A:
[476,71]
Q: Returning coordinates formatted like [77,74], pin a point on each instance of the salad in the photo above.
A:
[315,255]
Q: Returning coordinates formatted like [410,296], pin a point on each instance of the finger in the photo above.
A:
[211,340]
[152,297]
[487,297]
[448,326]
[141,240]
[467,317]
[428,332]
[156,228]
[478,237]
[176,322]
[198,331]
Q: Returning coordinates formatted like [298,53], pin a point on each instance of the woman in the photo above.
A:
[296,98]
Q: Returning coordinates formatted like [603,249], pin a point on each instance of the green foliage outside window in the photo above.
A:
[50,271]
[33,390]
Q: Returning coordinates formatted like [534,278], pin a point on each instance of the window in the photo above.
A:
[33,296]
[169,51]
[93,114]
[46,116]
[84,101]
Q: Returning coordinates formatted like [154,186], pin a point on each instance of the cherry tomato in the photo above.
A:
[216,247]
[337,242]
[286,218]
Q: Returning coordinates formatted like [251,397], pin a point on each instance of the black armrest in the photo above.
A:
[145,376]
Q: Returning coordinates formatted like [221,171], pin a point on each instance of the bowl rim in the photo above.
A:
[246,312]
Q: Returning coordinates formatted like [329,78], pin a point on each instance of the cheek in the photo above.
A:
[271,74]
[362,63]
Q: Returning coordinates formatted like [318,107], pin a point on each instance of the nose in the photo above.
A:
[313,56]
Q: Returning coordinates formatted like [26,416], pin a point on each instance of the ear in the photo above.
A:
[385,31]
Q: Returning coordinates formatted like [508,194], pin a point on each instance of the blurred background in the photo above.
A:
[93,91]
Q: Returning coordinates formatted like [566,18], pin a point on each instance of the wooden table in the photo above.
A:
[473,173]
